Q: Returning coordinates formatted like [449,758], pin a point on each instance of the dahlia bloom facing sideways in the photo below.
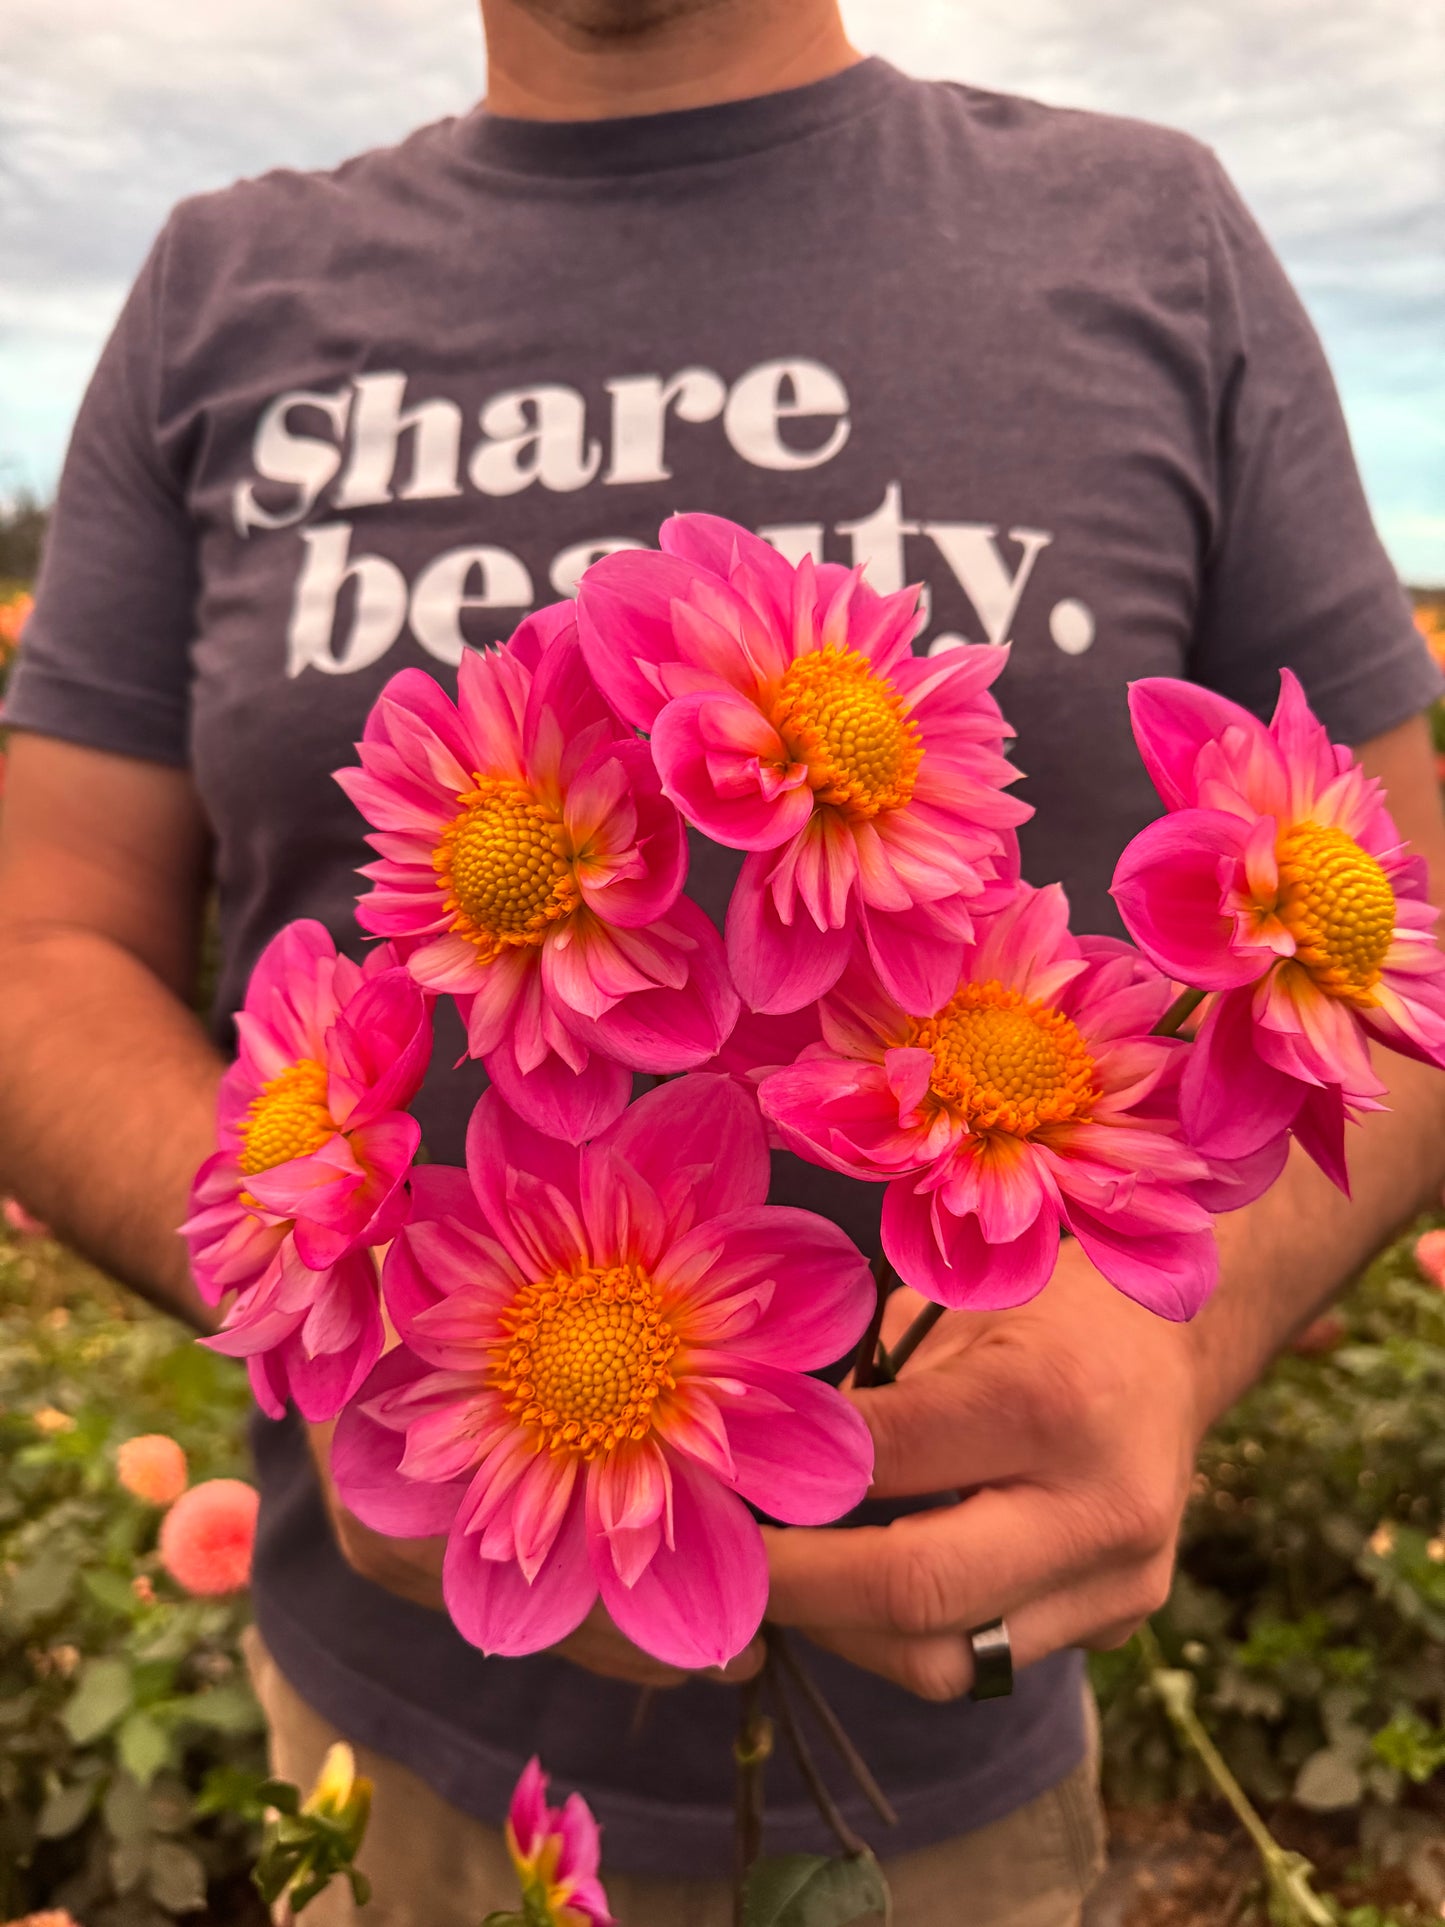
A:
[603,1356]
[1279,882]
[1032,1098]
[790,718]
[556,1852]
[314,1149]
[532,868]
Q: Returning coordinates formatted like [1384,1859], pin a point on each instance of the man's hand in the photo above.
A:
[412,1568]
[1077,1417]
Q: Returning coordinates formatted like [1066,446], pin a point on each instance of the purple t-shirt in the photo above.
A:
[359,420]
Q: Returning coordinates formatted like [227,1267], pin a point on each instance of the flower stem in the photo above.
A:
[1292,1899]
[890,1364]
[848,1840]
[1178,1013]
[780,1649]
[751,1750]
[865,1364]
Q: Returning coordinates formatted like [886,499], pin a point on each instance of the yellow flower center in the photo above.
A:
[503,866]
[1007,1063]
[847,725]
[288,1120]
[1337,904]
[585,1358]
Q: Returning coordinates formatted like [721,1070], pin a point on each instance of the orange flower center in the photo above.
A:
[847,725]
[1337,904]
[288,1120]
[1005,1062]
[503,866]
[585,1358]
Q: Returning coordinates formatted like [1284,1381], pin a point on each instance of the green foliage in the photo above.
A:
[129,1739]
[1310,1599]
[805,1890]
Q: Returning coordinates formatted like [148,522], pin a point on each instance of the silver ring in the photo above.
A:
[993,1661]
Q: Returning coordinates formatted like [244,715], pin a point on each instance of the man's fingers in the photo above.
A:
[980,1421]
[932,1572]
[939,1666]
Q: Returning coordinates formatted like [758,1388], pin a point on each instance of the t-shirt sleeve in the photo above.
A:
[105,656]
[1295,574]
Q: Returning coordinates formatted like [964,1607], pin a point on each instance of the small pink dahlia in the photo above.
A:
[1278,881]
[529,862]
[314,1149]
[790,718]
[1033,1097]
[556,1852]
[208,1536]
[603,1356]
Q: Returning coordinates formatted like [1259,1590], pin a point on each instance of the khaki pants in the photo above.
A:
[433,1866]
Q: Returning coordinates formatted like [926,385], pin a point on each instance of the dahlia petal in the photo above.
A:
[366,1460]
[1171,1273]
[494,1607]
[555,1099]
[701,1599]
[780,1285]
[624,617]
[668,1029]
[1319,1127]
[1232,1101]
[917,966]
[801,1453]
[949,1260]
[527,1188]
[1167,887]
[778,967]
[1173,720]
[699,1144]
[629,1502]
[707,749]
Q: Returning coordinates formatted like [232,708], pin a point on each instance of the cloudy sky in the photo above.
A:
[1327,112]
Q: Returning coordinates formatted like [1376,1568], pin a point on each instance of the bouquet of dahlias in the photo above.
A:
[606,1334]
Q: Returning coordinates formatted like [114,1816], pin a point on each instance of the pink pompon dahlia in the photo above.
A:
[529,862]
[556,1852]
[790,718]
[1278,881]
[208,1536]
[1032,1098]
[152,1467]
[603,1356]
[314,1149]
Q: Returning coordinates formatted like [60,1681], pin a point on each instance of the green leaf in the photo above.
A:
[64,1809]
[804,1890]
[40,1588]
[230,1789]
[126,1809]
[111,1590]
[143,1745]
[1329,1780]
[177,1878]
[228,1709]
[102,1694]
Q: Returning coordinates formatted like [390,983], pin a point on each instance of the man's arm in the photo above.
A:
[107,1080]
[1073,1422]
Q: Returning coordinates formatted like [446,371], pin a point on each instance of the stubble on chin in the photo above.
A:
[617,19]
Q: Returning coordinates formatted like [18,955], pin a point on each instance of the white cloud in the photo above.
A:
[1325,111]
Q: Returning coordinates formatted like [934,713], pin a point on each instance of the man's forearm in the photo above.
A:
[1286,1256]
[107,1105]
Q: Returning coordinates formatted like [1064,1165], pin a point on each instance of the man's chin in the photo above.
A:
[616,19]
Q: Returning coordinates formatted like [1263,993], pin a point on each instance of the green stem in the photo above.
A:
[1287,1873]
[751,1749]
[865,1364]
[890,1364]
[1178,1013]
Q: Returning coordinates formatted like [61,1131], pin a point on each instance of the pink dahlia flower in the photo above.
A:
[556,1851]
[315,1146]
[1278,881]
[603,1356]
[1032,1098]
[152,1467]
[530,863]
[790,718]
[1430,1256]
[208,1536]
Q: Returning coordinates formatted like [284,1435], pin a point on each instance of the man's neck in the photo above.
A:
[541,67]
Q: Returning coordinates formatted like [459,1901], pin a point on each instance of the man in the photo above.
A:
[692,254]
